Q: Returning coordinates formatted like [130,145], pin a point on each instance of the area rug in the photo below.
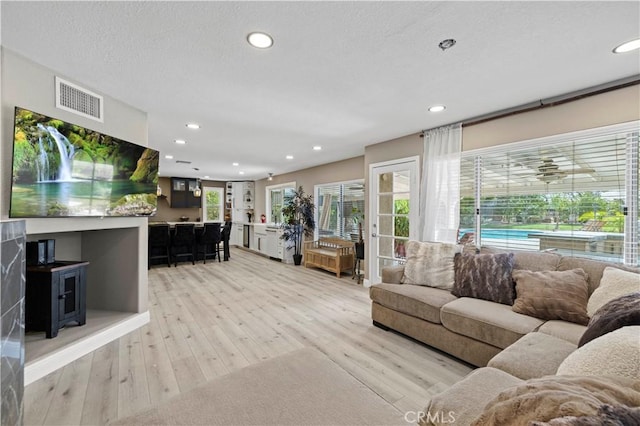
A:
[303,387]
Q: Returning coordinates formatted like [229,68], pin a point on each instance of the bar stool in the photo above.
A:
[158,244]
[208,241]
[226,235]
[183,242]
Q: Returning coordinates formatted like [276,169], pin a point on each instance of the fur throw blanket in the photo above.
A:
[551,397]
[607,415]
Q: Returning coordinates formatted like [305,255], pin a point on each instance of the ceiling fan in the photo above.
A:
[549,171]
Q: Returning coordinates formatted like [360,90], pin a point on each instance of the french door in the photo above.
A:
[394,203]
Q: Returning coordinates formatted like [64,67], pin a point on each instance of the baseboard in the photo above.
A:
[42,366]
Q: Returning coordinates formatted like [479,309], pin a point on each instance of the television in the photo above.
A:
[64,170]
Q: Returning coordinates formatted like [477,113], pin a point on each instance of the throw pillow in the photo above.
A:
[484,276]
[552,295]
[430,264]
[618,313]
[614,283]
[614,354]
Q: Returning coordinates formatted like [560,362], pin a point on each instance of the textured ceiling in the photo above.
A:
[342,75]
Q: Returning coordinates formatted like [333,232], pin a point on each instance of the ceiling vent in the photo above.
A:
[183,162]
[73,98]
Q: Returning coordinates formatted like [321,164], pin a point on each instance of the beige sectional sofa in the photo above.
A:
[472,330]
[514,347]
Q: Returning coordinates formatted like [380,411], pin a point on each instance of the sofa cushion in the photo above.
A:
[534,355]
[593,268]
[569,331]
[488,322]
[484,276]
[614,354]
[392,274]
[430,264]
[552,295]
[418,301]
[614,283]
[536,260]
[529,260]
[616,314]
[464,400]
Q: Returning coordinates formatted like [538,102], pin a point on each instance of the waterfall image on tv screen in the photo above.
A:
[60,169]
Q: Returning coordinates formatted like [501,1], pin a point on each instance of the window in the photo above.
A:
[212,204]
[339,208]
[275,198]
[574,194]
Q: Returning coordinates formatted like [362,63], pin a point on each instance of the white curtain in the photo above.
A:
[440,187]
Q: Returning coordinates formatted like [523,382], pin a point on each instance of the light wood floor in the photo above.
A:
[209,320]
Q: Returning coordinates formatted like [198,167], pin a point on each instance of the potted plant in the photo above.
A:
[298,213]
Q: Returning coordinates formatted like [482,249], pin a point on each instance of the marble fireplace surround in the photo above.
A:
[116,249]
[12,237]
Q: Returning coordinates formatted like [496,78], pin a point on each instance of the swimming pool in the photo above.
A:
[517,234]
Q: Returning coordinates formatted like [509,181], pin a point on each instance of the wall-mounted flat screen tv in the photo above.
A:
[63,170]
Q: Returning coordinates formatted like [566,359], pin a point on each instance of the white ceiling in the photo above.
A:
[342,75]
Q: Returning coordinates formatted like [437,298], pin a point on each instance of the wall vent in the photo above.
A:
[73,98]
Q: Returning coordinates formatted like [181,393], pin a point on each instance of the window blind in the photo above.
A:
[339,207]
[573,194]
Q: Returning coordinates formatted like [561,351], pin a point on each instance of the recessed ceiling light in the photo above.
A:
[180,141]
[628,46]
[241,172]
[235,164]
[317,148]
[447,44]
[289,157]
[193,125]
[206,177]
[260,40]
[437,108]
[169,157]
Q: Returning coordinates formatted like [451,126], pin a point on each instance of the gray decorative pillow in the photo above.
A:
[616,314]
[430,264]
[484,276]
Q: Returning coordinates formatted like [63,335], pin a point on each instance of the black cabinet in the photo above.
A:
[55,296]
[182,193]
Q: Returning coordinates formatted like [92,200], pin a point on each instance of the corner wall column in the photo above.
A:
[12,284]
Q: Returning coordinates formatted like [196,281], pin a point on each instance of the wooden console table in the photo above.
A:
[55,295]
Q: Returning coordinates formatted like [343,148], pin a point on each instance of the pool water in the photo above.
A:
[518,234]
